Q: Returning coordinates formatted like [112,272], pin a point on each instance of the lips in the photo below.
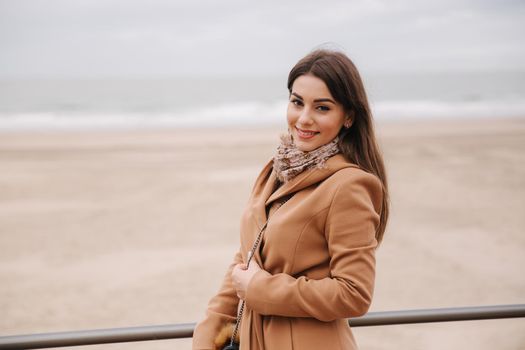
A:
[305,134]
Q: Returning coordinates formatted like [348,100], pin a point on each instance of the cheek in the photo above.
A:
[332,126]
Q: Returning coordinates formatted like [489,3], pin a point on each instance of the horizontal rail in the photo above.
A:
[439,315]
[118,335]
[97,336]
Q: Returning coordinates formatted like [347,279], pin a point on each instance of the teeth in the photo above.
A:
[306,133]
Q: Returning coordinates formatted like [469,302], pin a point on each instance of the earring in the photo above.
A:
[348,123]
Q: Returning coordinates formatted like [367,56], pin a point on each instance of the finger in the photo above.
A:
[254,265]
[235,273]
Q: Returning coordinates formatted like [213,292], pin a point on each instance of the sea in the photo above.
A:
[136,103]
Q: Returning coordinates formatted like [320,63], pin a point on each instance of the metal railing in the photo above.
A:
[118,335]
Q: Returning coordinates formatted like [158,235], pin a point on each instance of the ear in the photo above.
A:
[349,119]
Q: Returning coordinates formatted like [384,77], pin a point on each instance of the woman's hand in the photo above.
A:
[242,276]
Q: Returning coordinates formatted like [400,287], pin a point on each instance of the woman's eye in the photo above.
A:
[297,102]
[323,108]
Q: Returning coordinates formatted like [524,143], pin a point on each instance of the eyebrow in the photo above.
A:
[317,100]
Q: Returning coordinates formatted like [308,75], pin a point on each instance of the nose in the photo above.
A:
[305,117]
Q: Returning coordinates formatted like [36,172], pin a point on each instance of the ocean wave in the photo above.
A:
[251,113]
[425,109]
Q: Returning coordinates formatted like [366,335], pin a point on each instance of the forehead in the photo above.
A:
[310,86]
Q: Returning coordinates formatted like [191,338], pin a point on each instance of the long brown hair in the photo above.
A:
[358,142]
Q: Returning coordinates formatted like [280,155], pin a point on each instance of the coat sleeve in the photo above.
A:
[351,222]
[222,308]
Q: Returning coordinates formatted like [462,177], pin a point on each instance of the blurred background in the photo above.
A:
[131,133]
[78,64]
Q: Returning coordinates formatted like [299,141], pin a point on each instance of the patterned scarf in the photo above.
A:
[289,161]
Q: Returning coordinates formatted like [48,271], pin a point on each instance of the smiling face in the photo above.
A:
[314,117]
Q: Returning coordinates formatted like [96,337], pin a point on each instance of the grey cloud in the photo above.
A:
[96,37]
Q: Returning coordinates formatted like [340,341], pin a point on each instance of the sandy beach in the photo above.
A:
[104,229]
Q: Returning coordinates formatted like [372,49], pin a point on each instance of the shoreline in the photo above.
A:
[129,122]
[390,126]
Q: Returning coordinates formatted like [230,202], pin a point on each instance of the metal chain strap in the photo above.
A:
[250,256]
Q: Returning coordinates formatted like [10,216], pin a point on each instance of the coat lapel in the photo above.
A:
[264,194]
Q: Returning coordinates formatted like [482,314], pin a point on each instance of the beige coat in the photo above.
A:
[317,256]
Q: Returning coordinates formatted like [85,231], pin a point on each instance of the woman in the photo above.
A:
[315,265]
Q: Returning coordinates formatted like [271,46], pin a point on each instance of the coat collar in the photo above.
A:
[264,194]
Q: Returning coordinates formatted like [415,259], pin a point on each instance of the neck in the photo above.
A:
[289,161]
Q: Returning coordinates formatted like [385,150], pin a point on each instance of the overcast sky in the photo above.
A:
[154,38]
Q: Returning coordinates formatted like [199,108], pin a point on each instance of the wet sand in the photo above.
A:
[130,228]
